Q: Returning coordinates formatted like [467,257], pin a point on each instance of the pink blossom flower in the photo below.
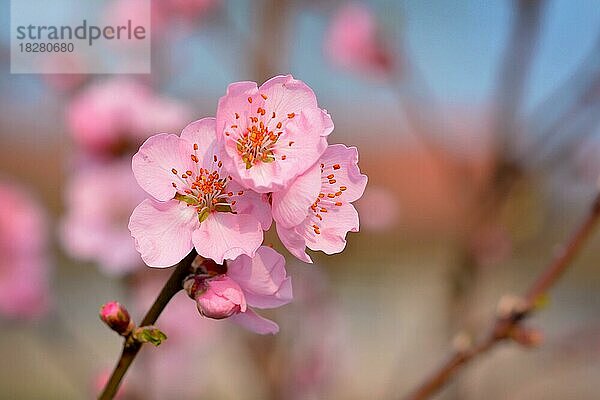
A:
[24,265]
[324,192]
[99,201]
[352,41]
[229,291]
[272,134]
[112,114]
[196,203]
[68,63]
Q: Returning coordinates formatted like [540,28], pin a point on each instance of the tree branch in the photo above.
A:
[504,325]
[131,349]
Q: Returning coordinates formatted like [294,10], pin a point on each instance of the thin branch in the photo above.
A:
[131,349]
[504,325]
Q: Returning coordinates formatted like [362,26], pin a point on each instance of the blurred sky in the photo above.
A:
[457,46]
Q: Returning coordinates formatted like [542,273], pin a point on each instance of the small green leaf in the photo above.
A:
[149,334]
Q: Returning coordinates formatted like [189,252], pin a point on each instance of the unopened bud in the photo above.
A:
[220,297]
[510,305]
[527,337]
[117,318]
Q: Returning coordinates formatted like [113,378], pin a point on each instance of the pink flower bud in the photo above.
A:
[528,337]
[220,297]
[117,318]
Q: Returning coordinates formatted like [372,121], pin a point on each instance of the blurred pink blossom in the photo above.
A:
[24,264]
[272,134]
[195,202]
[260,282]
[110,115]
[187,8]
[67,62]
[325,192]
[162,11]
[379,208]
[99,200]
[352,41]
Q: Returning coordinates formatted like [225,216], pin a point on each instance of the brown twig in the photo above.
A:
[131,349]
[505,324]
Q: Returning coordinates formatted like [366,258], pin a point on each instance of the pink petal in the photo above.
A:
[262,278]
[155,160]
[346,172]
[202,133]
[302,143]
[234,101]
[163,231]
[294,242]
[334,226]
[286,95]
[291,205]
[255,323]
[227,236]
[250,202]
